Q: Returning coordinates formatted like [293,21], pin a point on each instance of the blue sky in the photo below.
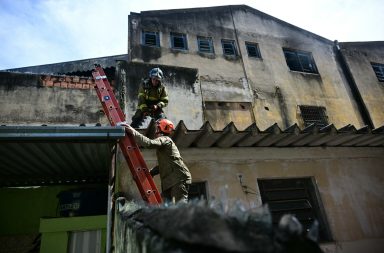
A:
[36,32]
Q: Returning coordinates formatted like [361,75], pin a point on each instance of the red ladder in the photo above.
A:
[127,144]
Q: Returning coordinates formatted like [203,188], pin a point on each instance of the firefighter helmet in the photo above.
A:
[165,126]
[157,73]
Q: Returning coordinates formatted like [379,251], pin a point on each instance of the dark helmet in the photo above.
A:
[157,73]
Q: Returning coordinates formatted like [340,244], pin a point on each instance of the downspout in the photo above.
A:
[111,204]
[352,84]
[242,61]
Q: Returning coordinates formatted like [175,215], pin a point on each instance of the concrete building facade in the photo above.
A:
[266,113]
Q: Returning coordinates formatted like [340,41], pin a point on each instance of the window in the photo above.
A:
[229,47]
[197,190]
[379,71]
[179,41]
[205,44]
[313,114]
[300,61]
[151,39]
[253,49]
[297,196]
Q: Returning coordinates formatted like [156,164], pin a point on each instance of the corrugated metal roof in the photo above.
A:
[41,155]
[273,136]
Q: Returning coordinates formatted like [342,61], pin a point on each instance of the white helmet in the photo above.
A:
[156,72]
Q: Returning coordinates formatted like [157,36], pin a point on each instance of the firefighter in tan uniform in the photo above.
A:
[174,174]
[152,98]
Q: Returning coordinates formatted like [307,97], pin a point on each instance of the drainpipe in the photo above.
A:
[242,62]
[352,84]
[111,204]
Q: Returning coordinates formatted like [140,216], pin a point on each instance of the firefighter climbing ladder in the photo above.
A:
[127,144]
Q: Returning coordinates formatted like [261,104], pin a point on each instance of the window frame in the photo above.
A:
[209,40]
[179,36]
[150,33]
[297,196]
[378,67]
[309,118]
[295,60]
[232,43]
[256,47]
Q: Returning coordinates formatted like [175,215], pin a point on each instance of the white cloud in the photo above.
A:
[34,32]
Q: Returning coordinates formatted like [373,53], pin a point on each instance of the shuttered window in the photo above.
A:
[151,39]
[296,196]
[205,44]
[379,71]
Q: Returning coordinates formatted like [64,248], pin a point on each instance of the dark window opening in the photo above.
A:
[296,196]
[379,71]
[300,61]
[179,41]
[229,47]
[205,44]
[253,49]
[151,39]
[198,190]
[313,115]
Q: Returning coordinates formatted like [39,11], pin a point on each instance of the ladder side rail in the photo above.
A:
[130,150]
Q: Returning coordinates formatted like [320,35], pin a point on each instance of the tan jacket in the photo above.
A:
[171,165]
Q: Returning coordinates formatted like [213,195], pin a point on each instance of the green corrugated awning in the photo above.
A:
[41,155]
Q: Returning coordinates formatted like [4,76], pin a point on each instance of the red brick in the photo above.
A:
[48,83]
[56,84]
[86,86]
[83,80]
[71,85]
[79,86]
[75,79]
[68,79]
[64,85]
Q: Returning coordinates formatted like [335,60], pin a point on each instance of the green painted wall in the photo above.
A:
[22,208]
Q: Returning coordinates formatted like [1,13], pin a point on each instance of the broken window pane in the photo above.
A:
[253,49]
[229,47]
[179,41]
[300,61]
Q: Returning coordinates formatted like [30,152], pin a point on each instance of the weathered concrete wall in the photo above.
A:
[182,85]
[274,90]
[350,183]
[359,56]
[25,100]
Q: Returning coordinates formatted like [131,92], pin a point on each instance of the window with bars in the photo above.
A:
[313,114]
[179,41]
[151,39]
[379,70]
[198,190]
[300,61]
[253,49]
[205,44]
[296,196]
[229,47]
